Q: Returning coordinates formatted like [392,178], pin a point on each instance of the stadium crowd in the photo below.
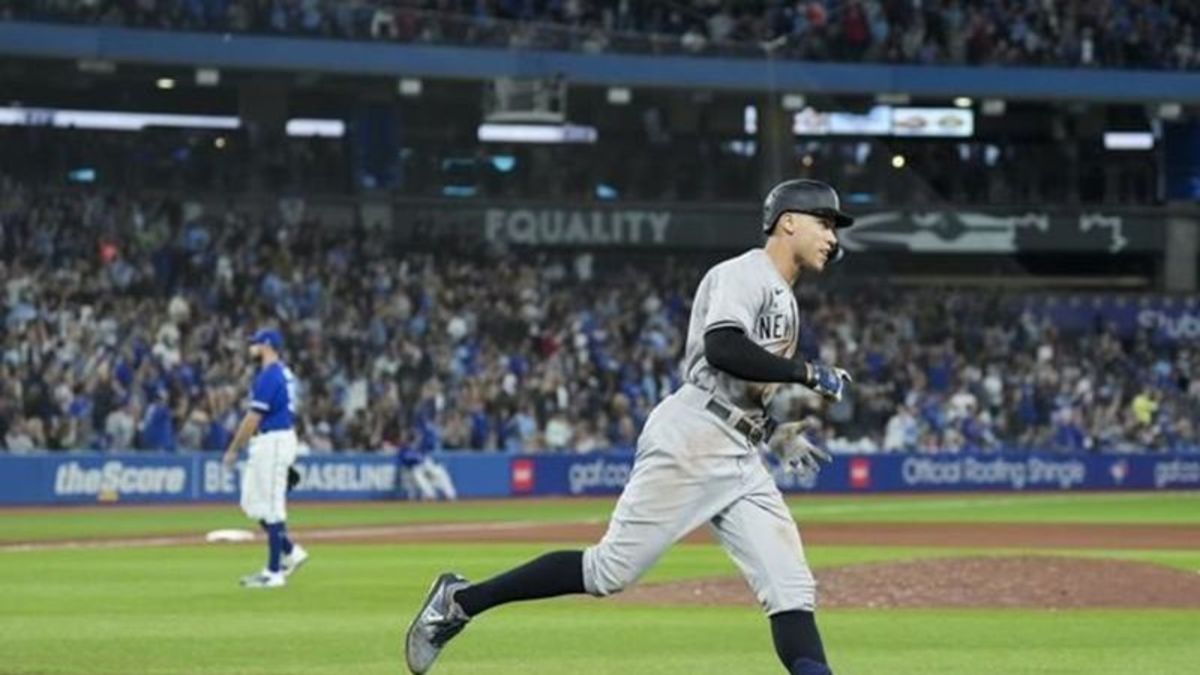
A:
[1158,34]
[125,322]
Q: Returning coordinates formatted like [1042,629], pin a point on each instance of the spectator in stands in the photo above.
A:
[120,428]
[902,431]
[157,428]
[19,438]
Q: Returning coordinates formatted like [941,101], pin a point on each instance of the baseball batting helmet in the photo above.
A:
[803,196]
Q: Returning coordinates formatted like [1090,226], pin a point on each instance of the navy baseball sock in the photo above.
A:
[798,643]
[554,574]
[285,542]
[274,545]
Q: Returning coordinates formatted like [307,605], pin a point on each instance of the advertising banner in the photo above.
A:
[90,479]
[100,479]
[1162,317]
[606,474]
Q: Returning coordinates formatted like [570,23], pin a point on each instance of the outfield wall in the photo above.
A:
[91,478]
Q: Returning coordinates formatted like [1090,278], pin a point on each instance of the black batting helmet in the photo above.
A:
[803,196]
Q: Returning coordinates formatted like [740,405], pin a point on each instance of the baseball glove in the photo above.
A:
[293,478]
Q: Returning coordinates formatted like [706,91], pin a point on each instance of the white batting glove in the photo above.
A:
[792,447]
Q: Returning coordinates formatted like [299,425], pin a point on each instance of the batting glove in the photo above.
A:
[798,454]
[828,381]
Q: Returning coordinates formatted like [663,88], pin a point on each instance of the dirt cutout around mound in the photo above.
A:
[1038,582]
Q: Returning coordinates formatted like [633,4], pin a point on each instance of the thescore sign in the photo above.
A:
[114,480]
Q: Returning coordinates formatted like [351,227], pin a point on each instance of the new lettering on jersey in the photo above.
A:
[747,293]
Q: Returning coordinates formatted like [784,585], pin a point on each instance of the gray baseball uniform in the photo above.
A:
[694,466]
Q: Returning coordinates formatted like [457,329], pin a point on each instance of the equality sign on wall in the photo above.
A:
[933,231]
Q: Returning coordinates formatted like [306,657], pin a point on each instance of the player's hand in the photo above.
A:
[828,381]
[791,446]
[229,459]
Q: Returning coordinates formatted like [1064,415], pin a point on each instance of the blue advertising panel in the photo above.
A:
[94,478]
[88,479]
[1164,318]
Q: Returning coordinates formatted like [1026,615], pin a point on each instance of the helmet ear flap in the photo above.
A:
[769,226]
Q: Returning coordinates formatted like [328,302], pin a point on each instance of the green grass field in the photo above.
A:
[178,609]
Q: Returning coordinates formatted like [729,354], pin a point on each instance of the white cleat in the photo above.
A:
[294,560]
[264,579]
[438,620]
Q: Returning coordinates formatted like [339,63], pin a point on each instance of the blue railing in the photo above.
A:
[671,71]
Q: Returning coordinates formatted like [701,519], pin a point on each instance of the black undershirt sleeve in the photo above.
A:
[730,350]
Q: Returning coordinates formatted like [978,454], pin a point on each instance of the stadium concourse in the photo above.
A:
[1108,33]
[125,319]
[999,172]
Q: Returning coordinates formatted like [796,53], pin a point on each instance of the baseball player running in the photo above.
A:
[698,457]
[268,426]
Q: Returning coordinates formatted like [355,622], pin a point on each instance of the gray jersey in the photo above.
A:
[745,292]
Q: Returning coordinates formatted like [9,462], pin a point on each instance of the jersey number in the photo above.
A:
[289,381]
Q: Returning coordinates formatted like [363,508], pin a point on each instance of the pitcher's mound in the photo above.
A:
[1044,582]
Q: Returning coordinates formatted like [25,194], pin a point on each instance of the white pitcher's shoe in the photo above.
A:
[263,579]
[294,560]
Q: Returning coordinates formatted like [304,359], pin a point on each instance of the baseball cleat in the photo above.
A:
[294,560]
[263,579]
[439,620]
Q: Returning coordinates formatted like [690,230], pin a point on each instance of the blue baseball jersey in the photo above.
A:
[274,395]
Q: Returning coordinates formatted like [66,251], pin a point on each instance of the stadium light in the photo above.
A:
[619,95]
[96,66]
[794,102]
[1170,111]
[993,107]
[1128,140]
[410,87]
[536,133]
[110,121]
[208,77]
[165,83]
[898,161]
[963,102]
[314,127]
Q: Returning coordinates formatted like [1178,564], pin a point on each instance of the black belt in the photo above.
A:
[755,433]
